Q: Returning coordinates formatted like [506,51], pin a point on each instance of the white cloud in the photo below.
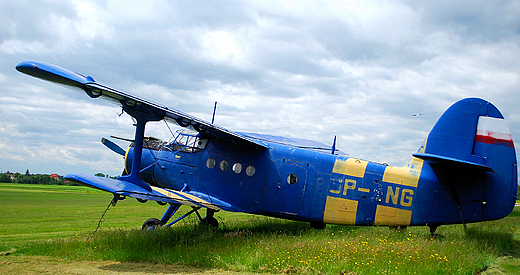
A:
[311,69]
[15,46]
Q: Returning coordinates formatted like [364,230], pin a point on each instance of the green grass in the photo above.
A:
[34,212]
[59,221]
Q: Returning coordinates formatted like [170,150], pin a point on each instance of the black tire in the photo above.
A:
[209,222]
[318,225]
[151,224]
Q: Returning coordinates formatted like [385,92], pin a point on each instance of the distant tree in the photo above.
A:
[5,178]
[100,175]
[17,177]
[32,179]
[27,172]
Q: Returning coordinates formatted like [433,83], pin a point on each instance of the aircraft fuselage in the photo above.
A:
[308,185]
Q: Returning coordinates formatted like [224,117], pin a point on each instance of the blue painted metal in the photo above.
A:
[183,216]
[142,118]
[465,171]
[172,208]
[112,146]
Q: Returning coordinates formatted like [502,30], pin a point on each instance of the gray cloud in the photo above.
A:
[300,69]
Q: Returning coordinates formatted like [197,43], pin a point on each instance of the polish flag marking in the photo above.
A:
[492,130]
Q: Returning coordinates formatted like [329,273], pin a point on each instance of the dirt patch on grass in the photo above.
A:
[48,265]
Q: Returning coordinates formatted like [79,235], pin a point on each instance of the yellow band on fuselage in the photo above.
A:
[350,167]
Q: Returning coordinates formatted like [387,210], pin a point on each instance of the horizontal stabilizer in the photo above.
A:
[447,160]
[124,188]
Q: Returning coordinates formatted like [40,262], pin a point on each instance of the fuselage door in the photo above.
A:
[291,188]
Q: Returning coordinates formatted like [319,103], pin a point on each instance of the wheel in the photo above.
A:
[209,221]
[318,225]
[151,224]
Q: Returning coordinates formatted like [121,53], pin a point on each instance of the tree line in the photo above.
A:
[28,178]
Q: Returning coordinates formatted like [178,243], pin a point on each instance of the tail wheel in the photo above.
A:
[151,224]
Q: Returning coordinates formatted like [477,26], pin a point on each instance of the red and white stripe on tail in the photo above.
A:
[492,130]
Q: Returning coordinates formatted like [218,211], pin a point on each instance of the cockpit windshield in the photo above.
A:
[187,141]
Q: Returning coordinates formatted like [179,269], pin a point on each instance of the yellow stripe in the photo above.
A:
[126,158]
[408,175]
[350,167]
[392,216]
[340,211]
[366,190]
[187,199]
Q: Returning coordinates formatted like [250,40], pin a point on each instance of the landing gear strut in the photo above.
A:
[433,227]
[209,220]
[153,223]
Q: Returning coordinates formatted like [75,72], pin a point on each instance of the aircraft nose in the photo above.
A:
[147,164]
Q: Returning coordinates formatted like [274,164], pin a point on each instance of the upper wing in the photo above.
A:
[295,142]
[94,89]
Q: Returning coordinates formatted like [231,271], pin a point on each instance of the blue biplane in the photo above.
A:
[464,172]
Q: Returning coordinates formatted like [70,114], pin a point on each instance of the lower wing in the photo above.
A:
[124,188]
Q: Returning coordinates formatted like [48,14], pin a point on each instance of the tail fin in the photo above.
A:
[472,151]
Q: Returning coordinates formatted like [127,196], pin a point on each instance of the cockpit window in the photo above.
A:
[187,141]
[153,143]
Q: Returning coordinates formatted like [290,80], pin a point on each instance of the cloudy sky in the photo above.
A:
[361,70]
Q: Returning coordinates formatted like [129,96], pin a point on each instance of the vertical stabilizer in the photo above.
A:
[472,153]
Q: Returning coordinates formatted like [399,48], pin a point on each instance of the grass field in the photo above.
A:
[58,222]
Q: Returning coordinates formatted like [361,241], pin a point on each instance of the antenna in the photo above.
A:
[334,146]
[214,111]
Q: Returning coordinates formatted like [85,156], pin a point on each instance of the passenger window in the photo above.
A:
[250,170]
[224,165]
[237,168]
[210,163]
[292,179]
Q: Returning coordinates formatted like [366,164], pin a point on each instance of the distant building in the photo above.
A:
[11,175]
[54,176]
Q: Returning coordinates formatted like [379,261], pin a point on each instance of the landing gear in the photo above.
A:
[399,228]
[151,224]
[318,225]
[209,220]
[433,227]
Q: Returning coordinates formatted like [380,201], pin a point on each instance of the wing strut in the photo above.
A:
[142,116]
